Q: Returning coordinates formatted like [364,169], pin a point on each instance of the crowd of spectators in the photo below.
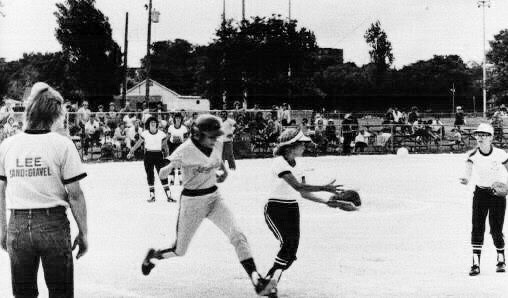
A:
[111,131]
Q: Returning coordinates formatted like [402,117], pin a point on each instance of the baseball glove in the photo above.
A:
[499,189]
[348,200]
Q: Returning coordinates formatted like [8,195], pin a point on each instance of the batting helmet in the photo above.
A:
[208,124]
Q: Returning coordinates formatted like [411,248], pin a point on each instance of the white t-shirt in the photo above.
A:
[489,168]
[281,190]
[153,142]
[199,170]
[228,126]
[177,133]
[36,167]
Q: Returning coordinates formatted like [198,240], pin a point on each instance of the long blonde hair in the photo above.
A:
[44,107]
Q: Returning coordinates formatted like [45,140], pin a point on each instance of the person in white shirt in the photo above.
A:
[153,138]
[282,213]
[177,134]
[490,165]
[228,126]
[201,159]
[40,172]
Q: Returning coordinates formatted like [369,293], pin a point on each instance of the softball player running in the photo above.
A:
[282,213]
[177,133]
[490,165]
[153,138]
[200,157]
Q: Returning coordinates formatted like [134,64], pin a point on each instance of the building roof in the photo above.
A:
[163,87]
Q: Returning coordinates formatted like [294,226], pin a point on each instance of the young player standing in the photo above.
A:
[177,133]
[282,213]
[228,126]
[490,165]
[200,159]
[153,138]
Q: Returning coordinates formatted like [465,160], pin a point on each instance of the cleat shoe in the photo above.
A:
[171,200]
[501,267]
[265,286]
[273,293]
[475,270]
[152,198]
[147,266]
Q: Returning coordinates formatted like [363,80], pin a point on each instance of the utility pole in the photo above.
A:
[223,11]
[243,10]
[289,11]
[147,64]
[453,97]
[125,50]
[483,3]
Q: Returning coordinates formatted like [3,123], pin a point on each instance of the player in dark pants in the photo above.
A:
[490,165]
[154,159]
[282,213]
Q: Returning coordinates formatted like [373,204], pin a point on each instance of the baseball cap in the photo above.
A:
[209,124]
[485,128]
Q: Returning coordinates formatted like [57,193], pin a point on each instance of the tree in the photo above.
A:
[174,64]
[498,56]
[87,43]
[256,55]
[381,52]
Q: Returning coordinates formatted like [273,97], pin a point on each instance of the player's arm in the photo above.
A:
[311,197]
[467,175]
[306,188]
[135,147]
[3,216]
[78,207]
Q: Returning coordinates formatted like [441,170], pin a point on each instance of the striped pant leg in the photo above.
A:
[283,219]
[224,219]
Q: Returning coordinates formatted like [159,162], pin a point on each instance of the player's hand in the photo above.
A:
[81,241]
[464,181]
[332,187]
[221,176]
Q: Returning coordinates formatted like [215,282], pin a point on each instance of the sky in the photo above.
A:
[417,29]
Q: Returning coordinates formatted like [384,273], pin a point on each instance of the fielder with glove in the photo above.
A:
[491,167]
[282,213]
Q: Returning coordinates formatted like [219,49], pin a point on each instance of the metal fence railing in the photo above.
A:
[109,136]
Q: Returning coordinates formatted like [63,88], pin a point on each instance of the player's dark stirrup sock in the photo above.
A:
[249,266]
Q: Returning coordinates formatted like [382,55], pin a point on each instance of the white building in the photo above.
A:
[169,98]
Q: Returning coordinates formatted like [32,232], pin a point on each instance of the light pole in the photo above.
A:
[147,63]
[483,3]
[453,97]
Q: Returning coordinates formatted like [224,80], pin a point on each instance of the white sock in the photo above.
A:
[476,259]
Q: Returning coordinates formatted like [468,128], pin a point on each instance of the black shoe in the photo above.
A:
[500,267]
[273,293]
[147,266]
[475,270]
[265,286]
[171,200]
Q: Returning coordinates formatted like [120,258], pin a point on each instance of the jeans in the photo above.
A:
[41,235]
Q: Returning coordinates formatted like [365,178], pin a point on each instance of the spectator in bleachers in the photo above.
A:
[119,137]
[276,123]
[349,128]
[497,124]
[189,122]
[8,129]
[285,114]
[92,134]
[271,132]
[6,111]
[331,132]
[304,126]
[111,116]
[145,112]
[438,127]
[413,116]
[127,108]
[388,118]
[132,136]
[129,119]
[362,140]
[100,114]
[319,137]
[460,119]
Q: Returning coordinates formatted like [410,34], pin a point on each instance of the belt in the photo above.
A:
[48,211]
[198,192]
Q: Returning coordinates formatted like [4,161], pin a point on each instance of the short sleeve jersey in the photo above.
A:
[228,126]
[153,141]
[489,168]
[36,167]
[199,170]
[281,190]
[177,134]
